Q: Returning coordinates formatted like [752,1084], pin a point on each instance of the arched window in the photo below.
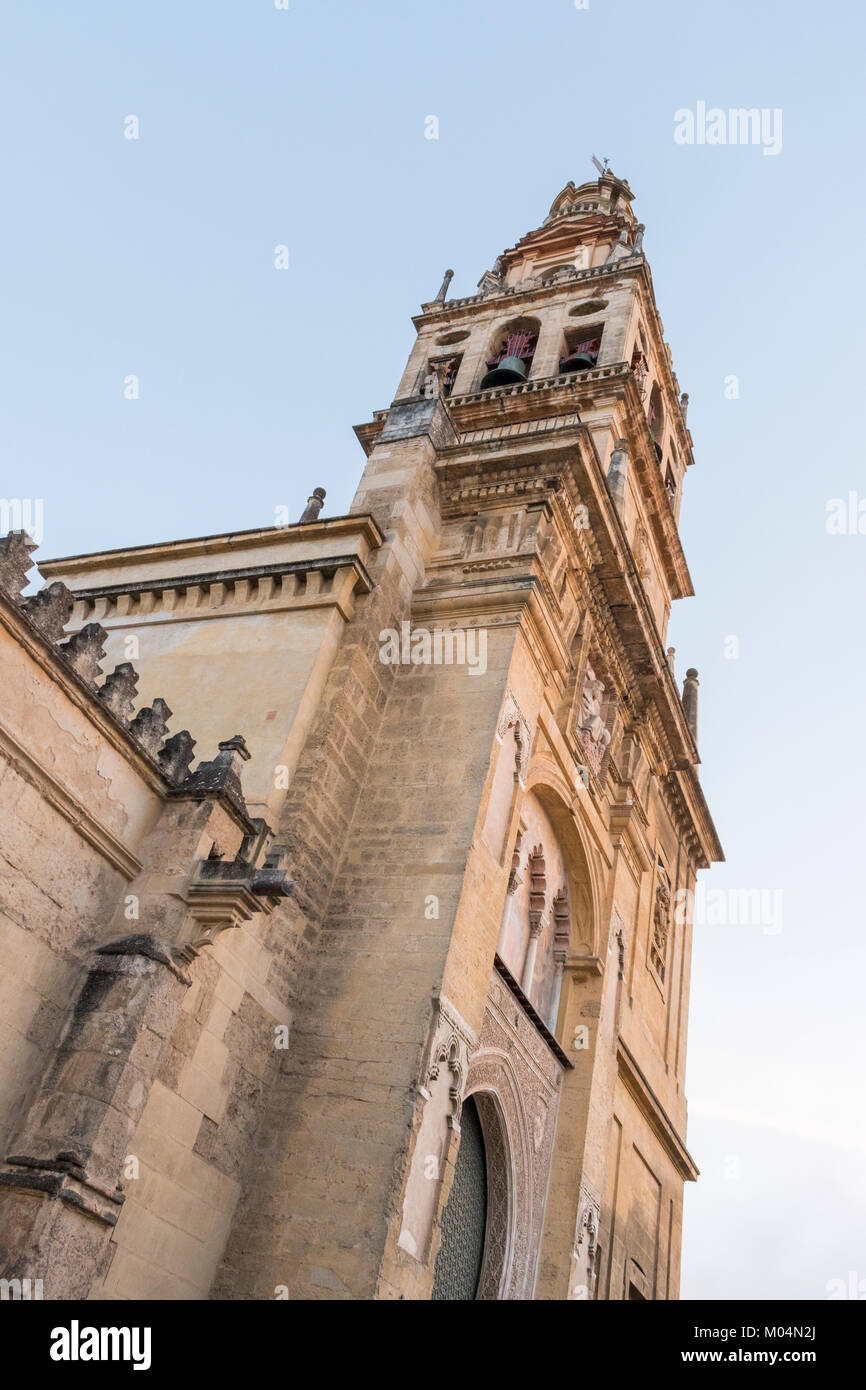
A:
[536,927]
[582,346]
[511,353]
[656,418]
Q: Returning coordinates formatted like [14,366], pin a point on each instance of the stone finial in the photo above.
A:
[16,548]
[50,609]
[314,505]
[118,690]
[443,288]
[672,652]
[149,726]
[230,746]
[617,473]
[684,405]
[176,755]
[221,776]
[489,283]
[690,701]
[85,651]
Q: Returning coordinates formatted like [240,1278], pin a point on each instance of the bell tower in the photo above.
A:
[486,1093]
[414,951]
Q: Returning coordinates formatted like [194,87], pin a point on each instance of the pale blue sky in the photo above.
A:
[306,127]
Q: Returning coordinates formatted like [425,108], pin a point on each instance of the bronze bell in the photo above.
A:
[577,362]
[505,373]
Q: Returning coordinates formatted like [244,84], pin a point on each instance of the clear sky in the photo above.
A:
[305,127]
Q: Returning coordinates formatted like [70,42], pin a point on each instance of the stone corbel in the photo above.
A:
[225,895]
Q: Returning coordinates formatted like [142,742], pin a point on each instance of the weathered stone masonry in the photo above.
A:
[254,1006]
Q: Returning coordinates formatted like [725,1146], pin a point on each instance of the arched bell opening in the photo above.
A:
[582,346]
[656,419]
[511,355]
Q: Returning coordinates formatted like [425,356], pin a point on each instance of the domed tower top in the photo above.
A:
[587,226]
[607,194]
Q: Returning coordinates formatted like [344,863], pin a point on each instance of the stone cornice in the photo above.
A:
[653,1111]
[693,810]
[537,290]
[318,582]
[361,523]
[501,599]
[619,606]
[540,1026]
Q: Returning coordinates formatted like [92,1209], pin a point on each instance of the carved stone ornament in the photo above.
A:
[436,1122]
[515,1082]
[661,922]
[585,1270]
[593,734]
[512,722]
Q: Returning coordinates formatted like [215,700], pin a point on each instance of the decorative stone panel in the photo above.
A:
[441,1090]
[515,1079]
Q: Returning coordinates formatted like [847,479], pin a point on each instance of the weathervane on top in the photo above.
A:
[602,168]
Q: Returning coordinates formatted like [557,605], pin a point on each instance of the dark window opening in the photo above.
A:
[446,369]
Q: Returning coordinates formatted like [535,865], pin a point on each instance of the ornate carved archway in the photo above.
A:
[507,1269]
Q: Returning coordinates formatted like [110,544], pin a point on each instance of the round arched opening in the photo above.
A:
[464,1221]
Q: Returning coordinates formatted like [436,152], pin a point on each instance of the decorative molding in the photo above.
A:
[515,1080]
[320,582]
[360,523]
[63,1178]
[68,806]
[512,718]
[585,1254]
[650,1106]
[531,1013]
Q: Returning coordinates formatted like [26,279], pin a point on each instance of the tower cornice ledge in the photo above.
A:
[653,1110]
[313,534]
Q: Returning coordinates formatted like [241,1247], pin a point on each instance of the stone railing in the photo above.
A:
[536,283]
[544,383]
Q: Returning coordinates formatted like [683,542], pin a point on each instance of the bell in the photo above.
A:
[577,362]
[505,373]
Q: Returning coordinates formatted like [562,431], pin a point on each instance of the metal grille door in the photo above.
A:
[458,1264]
